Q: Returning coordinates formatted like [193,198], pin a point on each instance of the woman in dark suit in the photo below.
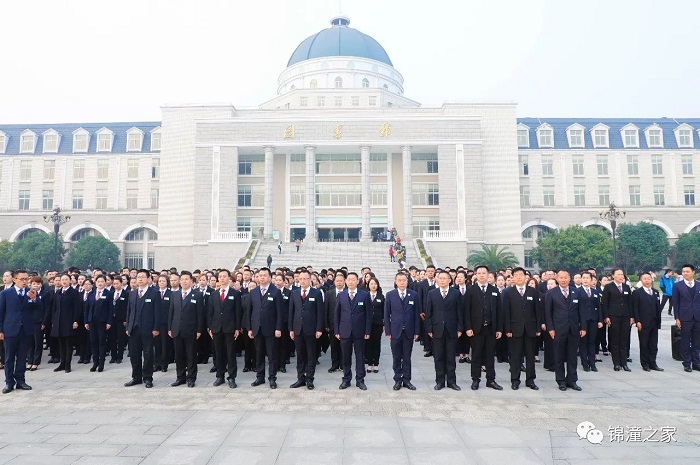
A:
[63,319]
[98,320]
[37,307]
[374,344]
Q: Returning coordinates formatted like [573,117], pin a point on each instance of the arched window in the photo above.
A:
[365,82]
[313,84]
[83,233]
[28,232]
[338,82]
[137,235]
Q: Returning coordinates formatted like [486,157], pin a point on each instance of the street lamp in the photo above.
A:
[58,220]
[613,214]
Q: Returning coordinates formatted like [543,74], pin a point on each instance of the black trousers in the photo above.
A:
[36,347]
[648,346]
[518,345]
[427,340]
[483,348]
[664,299]
[98,342]
[65,350]
[54,351]
[548,345]
[602,339]
[401,350]
[444,355]
[164,349]
[336,357]
[305,347]
[690,343]
[249,356]
[266,345]
[346,347]
[463,344]
[82,342]
[186,357]
[15,349]
[283,346]
[225,349]
[203,348]
[374,345]
[565,348]
[117,340]
[141,355]
[587,344]
[501,349]
[619,339]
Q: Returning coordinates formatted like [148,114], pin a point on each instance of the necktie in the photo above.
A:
[184,295]
[223,295]
[461,289]
[566,293]
[444,293]
[588,292]
[116,296]
[99,294]
[402,296]
[373,296]
[619,288]
[263,291]
[649,291]
[352,295]
[522,291]
[162,294]
[303,294]
[140,293]
[21,292]
[483,289]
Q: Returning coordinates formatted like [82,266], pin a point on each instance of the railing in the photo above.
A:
[444,235]
[231,236]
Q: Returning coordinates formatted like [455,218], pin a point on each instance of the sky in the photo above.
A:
[68,61]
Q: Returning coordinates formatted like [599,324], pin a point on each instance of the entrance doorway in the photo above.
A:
[339,234]
[297,233]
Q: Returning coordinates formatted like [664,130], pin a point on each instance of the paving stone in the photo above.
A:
[437,456]
[313,437]
[176,455]
[384,456]
[91,450]
[257,436]
[247,455]
[306,456]
[501,455]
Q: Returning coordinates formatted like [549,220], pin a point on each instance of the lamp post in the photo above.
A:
[613,214]
[58,220]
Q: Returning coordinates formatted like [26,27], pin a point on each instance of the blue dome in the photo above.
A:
[339,41]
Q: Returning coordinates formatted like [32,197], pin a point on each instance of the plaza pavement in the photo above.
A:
[90,418]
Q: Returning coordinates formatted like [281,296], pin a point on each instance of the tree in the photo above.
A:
[491,256]
[5,254]
[35,252]
[94,252]
[642,247]
[574,248]
[686,250]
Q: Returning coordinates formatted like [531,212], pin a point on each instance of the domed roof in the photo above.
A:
[339,41]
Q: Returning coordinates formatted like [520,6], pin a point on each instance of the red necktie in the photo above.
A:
[222,296]
[303,294]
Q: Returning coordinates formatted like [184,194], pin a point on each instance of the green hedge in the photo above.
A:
[423,254]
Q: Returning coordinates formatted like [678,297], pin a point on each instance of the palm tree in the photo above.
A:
[491,256]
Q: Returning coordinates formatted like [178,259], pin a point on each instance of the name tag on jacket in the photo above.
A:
[575,301]
[230,297]
[121,298]
[103,297]
[625,292]
[148,301]
[410,302]
[378,300]
[271,299]
[284,297]
[166,298]
[529,298]
[360,303]
[312,299]
[194,301]
[495,294]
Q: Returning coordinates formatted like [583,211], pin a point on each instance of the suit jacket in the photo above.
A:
[473,308]
[563,315]
[164,307]
[329,301]
[444,317]
[16,315]
[591,309]
[99,310]
[423,287]
[615,303]
[353,319]
[306,317]
[67,309]
[186,316]
[522,315]
[120,306]
[265,315]
[377,308]
[646,308]
[686,302]
[144,312]
[224,317]
[286,302]
[402,316]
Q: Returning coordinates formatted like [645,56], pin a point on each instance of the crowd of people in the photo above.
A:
[268,317]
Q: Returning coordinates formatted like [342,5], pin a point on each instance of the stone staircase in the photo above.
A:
[353,255]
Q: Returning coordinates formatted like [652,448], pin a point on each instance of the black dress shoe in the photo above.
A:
[646,368]
[283,370]
[53,360]
[177,383]
[475,385]
[397,386]
[515,386]
[190,384]
[626,368]
[344,385]
[246,370]
[594,368]
[156,368]
[467,360]
[310,385]
[120,360]
[586,368]
[562,387]
[257,382]
[616,368]
[686,369]
[532,386]
[100,368]
[7,389]
[112,360]
[218,382]
[454,387]
[361,385]
[298,383]
[24,387]
[273,384]
[59,368]
[93,368]
[629,360]
[232,384]
[148,384]
[696,368]
[575,387]
[657,368]
[133,382]
[164,368]
[409,386]
[332,369]
[494,385]
[68,370]
[212,370]
[438,386]
[428,354]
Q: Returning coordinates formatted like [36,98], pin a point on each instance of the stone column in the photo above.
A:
[366,235]
[407,232]
[215,192]
[269,185]
[310,194]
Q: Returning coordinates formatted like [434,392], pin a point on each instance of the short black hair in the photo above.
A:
[186,273]
[264,268]
[18,272]
[353,273]
[481,266]
[519,269]
[142,270]
[688,265]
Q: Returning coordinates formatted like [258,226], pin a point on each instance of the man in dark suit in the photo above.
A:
[284,344]
[142,323]
[186,322]
[224,321]
[117,333]
[98,320]
[63,321]
[204,343]
[646,309]
[563,319]
[522,322]
[591,319]
[402,326]
[483,322]
[618,317]
[353,326]
[306,323]
[16,329]
[443,322]
[163,344]
[265,327]
[423,288]
[686,311]
[329,301]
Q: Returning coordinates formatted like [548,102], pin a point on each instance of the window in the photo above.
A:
[80,142]
[338,195]
[3,142]
[577,162]
[529,261]
[576,138]
[297,195]
[547,165]
[633,165]
[685,138]
[78,169]
[321,101]
[251,195]
[372,101]
[104,142]
[338,82]
[378,195]
[77,199]
[425,223]
[365,82]
[251,165]
[23,200]
[654,138]
[253,225]
[689,195]
[545,136]
[154,199]
[355,101]
[135,260]
[524,196]
[377,163]
[579,196]
[631,138]
[657,166]
[102,170]
[25,170]
[303,101]
[83,233]
[600,138]
[338,164]
[603,196]
[27,143]
[687,164]
[134,141]
[132,169]
[297,163]
[155,140]
[49,170]
[47,199]
[50,143]
[313,84]
[101,199]
[659,196]
[426,194]
[635,196]
[523,163]
[338,101]
[139,234]
[523,138]
[548,196]
[602,162]
[424,163]
[155,168]
[132,199]
[527,234]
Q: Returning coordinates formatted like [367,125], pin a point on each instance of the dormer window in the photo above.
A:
[81,140]
[27,142]
[684,136]
[599,133]
[313,84]
[51,141]
[155,139]
[338,82]
[134,140]
[654,136]
[365,82]
[523,136]
[3,142]
[105,137]
[545,136]
[575,135]
[630,136]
